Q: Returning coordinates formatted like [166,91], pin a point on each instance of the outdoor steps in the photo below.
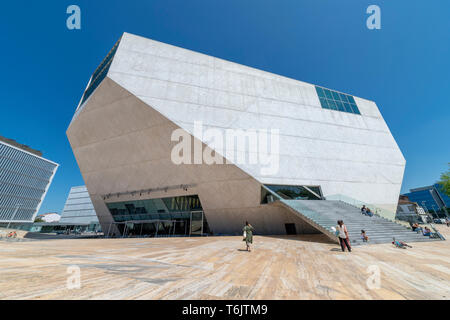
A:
[323,215]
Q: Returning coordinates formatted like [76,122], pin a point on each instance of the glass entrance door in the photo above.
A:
[196,223]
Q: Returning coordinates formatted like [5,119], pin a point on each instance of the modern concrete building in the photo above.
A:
[25,177]
[78,209]
[128,127]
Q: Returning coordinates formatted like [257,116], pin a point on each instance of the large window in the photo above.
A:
[290,193]
[157,217]
[100,73]
[333,100]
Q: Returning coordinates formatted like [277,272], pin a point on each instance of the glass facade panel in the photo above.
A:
[340,106]
[328,94]
[347,107]
[332,105]
[100,73]
[161,217]
[343,97]
[324,103]
[79,208]
[24,179]
[296,192]
[337,101]
[320,92]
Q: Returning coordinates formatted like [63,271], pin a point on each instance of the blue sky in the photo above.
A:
[404,67]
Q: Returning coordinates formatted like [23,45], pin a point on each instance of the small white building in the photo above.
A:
[50,217]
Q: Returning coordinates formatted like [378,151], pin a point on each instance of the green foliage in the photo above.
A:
[38,219]
[445,182]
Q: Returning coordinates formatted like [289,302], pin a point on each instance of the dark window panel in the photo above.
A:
[355,109]
[324,103]
[343,97]
[320,92]
[351,99]
[348,108]
[340,106]
[332,104]
[328,94]
[335,95]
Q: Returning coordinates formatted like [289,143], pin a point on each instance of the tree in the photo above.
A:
[445,182]
[39,219]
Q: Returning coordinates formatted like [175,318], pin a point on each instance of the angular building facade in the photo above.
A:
[300,141]
[25,177]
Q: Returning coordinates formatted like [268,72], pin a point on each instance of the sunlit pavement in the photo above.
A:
[297,267]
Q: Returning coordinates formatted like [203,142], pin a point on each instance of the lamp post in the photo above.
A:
[14,215]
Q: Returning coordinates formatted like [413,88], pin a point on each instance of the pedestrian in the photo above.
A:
[343,236]
[248,235]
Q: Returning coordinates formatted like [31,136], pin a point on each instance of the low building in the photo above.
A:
[25,177]
[49,217]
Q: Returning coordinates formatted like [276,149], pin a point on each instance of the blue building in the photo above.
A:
[25,177]
[432,199]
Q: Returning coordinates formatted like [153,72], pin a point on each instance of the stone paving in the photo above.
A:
[289,267]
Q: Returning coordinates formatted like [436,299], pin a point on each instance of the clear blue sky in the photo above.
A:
[404,67]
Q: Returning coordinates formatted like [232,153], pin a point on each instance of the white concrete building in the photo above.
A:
[330,145]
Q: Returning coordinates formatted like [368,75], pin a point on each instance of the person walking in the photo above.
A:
[248,235]
[343,236]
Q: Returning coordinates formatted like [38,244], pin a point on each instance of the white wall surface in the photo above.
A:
[349,154]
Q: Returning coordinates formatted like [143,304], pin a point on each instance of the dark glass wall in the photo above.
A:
[296,192]
[334,100]
[157,217]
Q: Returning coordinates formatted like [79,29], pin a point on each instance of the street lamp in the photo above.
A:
[14,215]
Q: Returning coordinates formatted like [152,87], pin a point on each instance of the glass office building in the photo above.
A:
[78,209]
[432,199]
[25,177]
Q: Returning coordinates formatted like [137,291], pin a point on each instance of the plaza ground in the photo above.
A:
[290,267]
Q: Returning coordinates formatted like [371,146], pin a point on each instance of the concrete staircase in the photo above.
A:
[323,214]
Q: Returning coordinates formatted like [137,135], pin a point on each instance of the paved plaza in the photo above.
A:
[288,267]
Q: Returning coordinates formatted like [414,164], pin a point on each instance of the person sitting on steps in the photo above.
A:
[364,210]
[364,236]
